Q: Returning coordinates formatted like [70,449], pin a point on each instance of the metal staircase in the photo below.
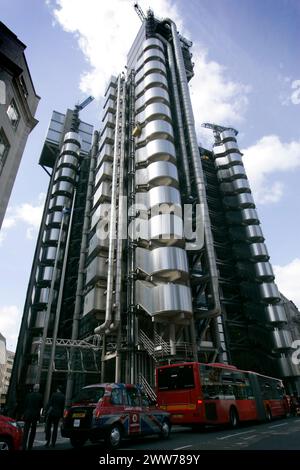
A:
[146,387]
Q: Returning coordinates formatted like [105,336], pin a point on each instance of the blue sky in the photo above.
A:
[247,74]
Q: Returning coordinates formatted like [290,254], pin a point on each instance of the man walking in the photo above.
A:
[54,412]
[32,411]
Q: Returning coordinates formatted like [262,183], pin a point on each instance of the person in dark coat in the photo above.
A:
[54,411]
[32,411]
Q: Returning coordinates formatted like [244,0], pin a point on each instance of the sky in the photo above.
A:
[247,75]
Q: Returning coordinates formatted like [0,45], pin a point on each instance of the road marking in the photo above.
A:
[277,425]
[183,447]
[250,437]
[236,434]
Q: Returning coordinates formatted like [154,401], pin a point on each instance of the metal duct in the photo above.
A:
[198,172]
[113,219]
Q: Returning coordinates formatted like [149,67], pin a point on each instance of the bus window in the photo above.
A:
[211,382]
[176,378]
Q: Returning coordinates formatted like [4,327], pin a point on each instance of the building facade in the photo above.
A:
[172,263]
[18,104]
[6,365]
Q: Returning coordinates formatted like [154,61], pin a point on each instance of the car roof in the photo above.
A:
[112,385]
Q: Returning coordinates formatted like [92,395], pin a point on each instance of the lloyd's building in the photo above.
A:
[150,249]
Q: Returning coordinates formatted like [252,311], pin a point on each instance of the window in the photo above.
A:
[23,87]
[176,378]
[133,398]
[90,395]
[4,148]
[116,396]
[13,114]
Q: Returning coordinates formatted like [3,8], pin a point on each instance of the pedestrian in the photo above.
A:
[32,411]
[54,412]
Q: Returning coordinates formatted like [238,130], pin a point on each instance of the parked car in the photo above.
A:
[111,412]
[11,434]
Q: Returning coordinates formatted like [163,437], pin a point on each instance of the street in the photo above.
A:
[277,435]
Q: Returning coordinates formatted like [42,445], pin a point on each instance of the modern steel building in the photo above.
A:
[140,287]
[6,365]
[18,103]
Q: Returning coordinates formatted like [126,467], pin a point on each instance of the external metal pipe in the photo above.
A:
[121,216]
[58,307]
[82,259]
[50,301]
[112,229]
[183,151]
[116,325]
[198,171]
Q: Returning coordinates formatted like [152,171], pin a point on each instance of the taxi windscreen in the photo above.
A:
[90,395]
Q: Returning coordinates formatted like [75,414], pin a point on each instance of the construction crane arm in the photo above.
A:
[84,103]
[218,128]
[139,11]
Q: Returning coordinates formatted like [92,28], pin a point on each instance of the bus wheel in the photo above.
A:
[268,415]
[233,418]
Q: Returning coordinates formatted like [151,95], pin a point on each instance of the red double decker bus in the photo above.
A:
[196,394]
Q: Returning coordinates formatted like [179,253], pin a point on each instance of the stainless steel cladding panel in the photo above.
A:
[94,301]
[264,271]
[159,195]
[227,134]
[104,173]
[249,216]
[259,251]
[151,54]
[254,233]
[153,66]
[152,42]
[152,95]
[224,148]
[154,111]
[157,173]
[282,339]
[287,368]
[151,80]
[157,129]
[158,149]
[275,314]
[96,270]
[168,300]
[39,320]
[105,155]
[97,244]
[65,173]
[54,218]
[169,263]
[269,292]
[228,161]
[232,173]
[166,228]
[67,160]
[235,187]
[103,194]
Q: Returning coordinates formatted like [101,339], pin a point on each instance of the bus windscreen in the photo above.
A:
[175,378]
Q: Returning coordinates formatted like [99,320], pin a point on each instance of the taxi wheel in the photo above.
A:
[5,444]
[113,437]
[77,442]
[165,430]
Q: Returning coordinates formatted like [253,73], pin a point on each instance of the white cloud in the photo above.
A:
[216,98]
[288,280]
[295,96]
[29,214]
[105,32]
[10,320]
[267,157]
